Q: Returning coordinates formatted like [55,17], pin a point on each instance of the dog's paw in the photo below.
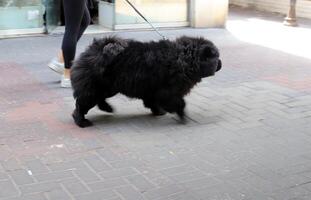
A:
[158,112]
[84,123]
[81,121]
[109,109]
[182,117]
[183,120]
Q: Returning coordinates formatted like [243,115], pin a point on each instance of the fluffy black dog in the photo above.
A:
[160,73]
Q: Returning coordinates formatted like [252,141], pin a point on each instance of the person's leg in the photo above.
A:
[74,13]
[86,20]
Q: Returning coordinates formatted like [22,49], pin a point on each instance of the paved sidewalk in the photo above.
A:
[248,137]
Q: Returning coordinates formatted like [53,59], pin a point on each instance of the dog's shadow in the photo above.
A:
[134,121]
[143,120]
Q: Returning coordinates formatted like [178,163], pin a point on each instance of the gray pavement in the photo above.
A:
[248,136]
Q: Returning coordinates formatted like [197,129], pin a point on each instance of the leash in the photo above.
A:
[139,13]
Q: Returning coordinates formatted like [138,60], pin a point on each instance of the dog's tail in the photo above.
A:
[105,50]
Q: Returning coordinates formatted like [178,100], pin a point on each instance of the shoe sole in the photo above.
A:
[55,68]
[65,86]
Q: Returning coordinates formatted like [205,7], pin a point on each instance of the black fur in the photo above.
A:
[160,73]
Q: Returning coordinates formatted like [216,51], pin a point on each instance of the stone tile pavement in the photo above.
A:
[248,136]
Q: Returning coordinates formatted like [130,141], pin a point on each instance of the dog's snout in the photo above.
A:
[219,65]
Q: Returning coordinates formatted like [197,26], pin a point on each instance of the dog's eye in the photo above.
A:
[209,52]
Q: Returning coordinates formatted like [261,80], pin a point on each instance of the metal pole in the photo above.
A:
[290,19]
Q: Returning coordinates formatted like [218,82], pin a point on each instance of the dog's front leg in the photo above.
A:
[173,104]
[180,109]
[154,107]
[82,107]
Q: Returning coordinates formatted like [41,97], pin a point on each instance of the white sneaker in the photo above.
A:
[65,82]
[56,66]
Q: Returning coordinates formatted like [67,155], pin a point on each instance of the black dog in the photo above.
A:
[160,73]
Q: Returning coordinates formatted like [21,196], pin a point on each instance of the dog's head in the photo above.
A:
[209,59]
[206,53]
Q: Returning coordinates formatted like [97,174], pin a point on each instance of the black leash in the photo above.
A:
[137,11]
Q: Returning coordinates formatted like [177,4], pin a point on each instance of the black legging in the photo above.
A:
[77,18]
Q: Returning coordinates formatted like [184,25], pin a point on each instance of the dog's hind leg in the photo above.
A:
[180,110]
[102,103]
[104,106]
[83,105]
[154,107]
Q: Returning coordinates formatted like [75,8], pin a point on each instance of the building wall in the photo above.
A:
[303,7]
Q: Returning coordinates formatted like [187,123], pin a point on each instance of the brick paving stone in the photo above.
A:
[54,176]
[140,182]
[107,184]
[3,176]
[155,176]
[70,165]
[8,189]
[106,194]
[21,177]
[184,177]
[199,183]
[108,155]
[163,192]
[96,163]
[182,196]
[87,175]
[295,168]
[165,163]
[57,194]
[302,197]
[117,198]
[242,190]
[126,163]
[92,144]
[39,187]
[36,167]
[290,193]
[292,181]
[129,193]
[261,184]
[74,186]
[11,164]
[265,174]
[116,173]
[220,191]
[38,196]
[162,181]
[306,186]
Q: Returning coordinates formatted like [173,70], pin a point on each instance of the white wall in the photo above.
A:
[303,8]
[217,13]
